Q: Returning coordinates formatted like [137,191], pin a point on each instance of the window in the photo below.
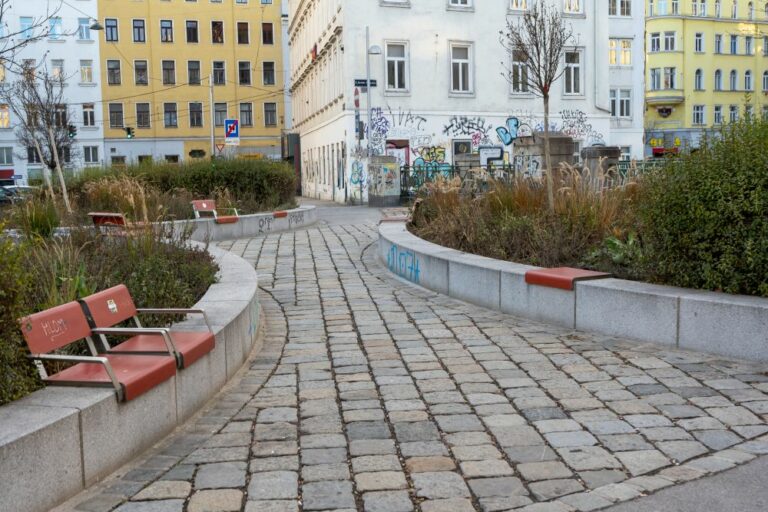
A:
[460,3]
[748,80]
[765,81]
[243,36]
[267,35]
[169,72]
[57,69]
[655,41]
[702,7]
[166,31]
[460,68]
[141,72]
[751,10]
[118,161]
[748,111]
[54,28]
[669,78]
[217,32]
[86,71]
[733,80]
[396,67]
[219,73]
[60,116]
[718,114]
[192,33]
[110,29]
[519,73]
[246,114]
[669,41]
[734,45]
[113,72]
[196,115]
[193,72]
[91,154]
[518,5]
[765,112]
[572,7]
[268,73]
[244,73]
[573,73]
[748,45]
[620,52]
[270,114]
[718,80]
[675,7]
[115,115]
[172,159]
[655,79]
[139,31]
[662,7]
[650,8]
[698,80]
[89,115]
[698,42]
[6,155]
[143,117]
[5,116]
[170,117]
[718,43]
[620,7]
[765,46]
[698,114]
[219,114]
[717,8]
[733,113]
[695,7]
[84,29]
[734,9]
[33,157]
[621,102]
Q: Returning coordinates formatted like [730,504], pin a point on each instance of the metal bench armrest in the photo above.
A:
[85,359]
[130,331]
[177,311]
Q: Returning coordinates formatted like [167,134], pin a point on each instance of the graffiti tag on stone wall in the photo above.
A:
[575,125]
[383,180]
[404,263]
[295,218]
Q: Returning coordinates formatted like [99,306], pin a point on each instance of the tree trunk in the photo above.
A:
[46,171]
[548,158]
[55,152]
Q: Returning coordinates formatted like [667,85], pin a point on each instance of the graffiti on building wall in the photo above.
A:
[508,133]
[526,164]
[476,128]
[430,158]
[358,176]
[575,125]
[383,180]
[405,121]
[404,263]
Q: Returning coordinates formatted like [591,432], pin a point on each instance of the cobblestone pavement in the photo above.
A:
[372,394]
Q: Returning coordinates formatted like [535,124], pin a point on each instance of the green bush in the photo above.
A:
[705,214]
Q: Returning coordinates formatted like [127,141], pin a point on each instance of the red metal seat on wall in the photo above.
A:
[207,208]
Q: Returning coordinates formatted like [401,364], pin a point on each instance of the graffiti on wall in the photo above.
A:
[430,158]
[476,128]
[358,176]
[404,263]
[526,164]
[508,133]
[383,180]
[575,125]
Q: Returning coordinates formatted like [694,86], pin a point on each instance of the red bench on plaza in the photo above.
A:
[113,306]
[58,327]
[561,277]
[207,208]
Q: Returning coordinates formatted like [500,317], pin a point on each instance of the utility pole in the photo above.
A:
[213,116]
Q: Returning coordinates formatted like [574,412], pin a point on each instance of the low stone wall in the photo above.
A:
[718,323]
[58,441]
[251,225]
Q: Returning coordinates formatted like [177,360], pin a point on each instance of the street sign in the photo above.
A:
[18,177]
[220,148]
[361,82]
[231,132]
[357,97]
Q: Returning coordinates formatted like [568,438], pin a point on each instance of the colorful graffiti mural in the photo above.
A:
[430,158]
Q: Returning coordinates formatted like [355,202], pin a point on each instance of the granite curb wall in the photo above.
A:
[718,323]
[249,226]
[60,440]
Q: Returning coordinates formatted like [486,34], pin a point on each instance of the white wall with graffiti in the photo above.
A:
[417,114]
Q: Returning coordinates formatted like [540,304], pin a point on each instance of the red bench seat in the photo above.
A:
[190,345]
[561,277]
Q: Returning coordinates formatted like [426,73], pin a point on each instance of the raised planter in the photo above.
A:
[58,441]
[248,226]
[718,323]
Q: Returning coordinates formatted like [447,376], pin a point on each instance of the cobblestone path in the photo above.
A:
[375,395]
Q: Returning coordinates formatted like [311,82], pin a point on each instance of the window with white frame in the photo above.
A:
[655,41]
[113,72]
[765,112]
[669,41]
[655,79]
[572,6]
[748,85]
[219,114]
[518,5]
[270,114]
[621,102]
[675,7]
[718,43]
[698,80]
[246,114]
[749,46]
[170,115]
[573,70]
[733,113]
[5,116]
[621,7]
[717,8]
[702,7]
[396,60]
[718,80]
[765,46]
[748,111]
[519,73]
[84,29]
[460,3]
[57,69]
[669,78]
[662,7]
[143,116]
[91,154]
[268,73]
[717,114]
[86,71]
[698,42]
[6,155]
[698,114]
[733,80]
[89,114]
[751,10]
[765,81]
[734,44]
[461,68]
[620,52]
[195,114]
[54,28]
[734,9]
[115,115]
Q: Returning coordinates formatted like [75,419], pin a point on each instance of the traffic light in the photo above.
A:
[129,133]
[72,131]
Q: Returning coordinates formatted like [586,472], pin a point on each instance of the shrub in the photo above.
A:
[705,214]
[36,217]
[135,199]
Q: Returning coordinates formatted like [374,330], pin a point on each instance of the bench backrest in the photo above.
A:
[54,328]
[206,207]
[109,307]
[107,219]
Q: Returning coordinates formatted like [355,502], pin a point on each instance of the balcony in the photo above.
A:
[664,97]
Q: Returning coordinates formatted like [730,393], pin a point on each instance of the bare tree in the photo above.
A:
[38,105]
[38,28]
[538,40]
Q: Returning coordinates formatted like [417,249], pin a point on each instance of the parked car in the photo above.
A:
[15,193]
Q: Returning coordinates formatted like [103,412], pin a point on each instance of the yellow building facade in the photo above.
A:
[706,64]
[174,69]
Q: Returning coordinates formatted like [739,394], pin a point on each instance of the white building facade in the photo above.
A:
[441,89]
[71,50]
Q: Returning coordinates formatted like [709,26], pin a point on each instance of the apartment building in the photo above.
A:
[69,50]
[707,64]
[439,90]
[174,70]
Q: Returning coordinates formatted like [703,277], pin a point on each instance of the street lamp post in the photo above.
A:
[369,50]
